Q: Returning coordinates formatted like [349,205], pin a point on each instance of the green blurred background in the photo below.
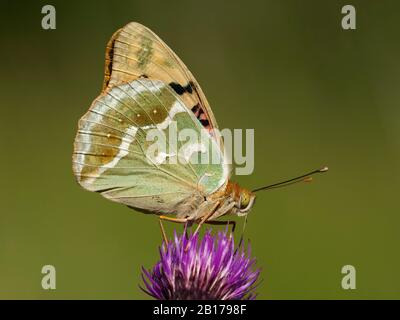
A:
[314,93]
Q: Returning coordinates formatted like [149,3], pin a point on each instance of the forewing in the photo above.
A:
[135,51]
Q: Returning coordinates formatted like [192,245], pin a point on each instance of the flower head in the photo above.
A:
[210,268]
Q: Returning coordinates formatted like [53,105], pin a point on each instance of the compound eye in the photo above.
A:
[244,200]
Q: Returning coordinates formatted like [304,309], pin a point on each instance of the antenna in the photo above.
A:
[303,178]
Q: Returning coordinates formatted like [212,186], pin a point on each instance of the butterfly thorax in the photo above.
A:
[242,198]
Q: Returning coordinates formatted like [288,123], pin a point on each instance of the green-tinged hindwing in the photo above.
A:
[113,152]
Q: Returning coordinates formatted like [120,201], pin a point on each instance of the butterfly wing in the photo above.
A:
[135,51]
[114,156]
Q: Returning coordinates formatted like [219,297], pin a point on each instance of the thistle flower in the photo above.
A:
[210,268]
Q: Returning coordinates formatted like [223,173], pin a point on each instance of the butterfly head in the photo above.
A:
[242,198]
[246,202]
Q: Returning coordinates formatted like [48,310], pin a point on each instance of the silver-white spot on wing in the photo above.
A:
[126,141]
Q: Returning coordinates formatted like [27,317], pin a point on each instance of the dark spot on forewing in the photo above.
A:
[189,87]
[201,116]
[179,89]
[196,108]
[205,123]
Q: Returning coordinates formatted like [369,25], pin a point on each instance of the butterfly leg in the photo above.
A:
[164,235]
[206,217]
[233,223]
[244,227]
[202,220]
[176,220]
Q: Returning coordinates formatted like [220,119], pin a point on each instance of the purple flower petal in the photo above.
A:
[210,268]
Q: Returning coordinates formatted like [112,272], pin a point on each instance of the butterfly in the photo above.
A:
[148,88]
